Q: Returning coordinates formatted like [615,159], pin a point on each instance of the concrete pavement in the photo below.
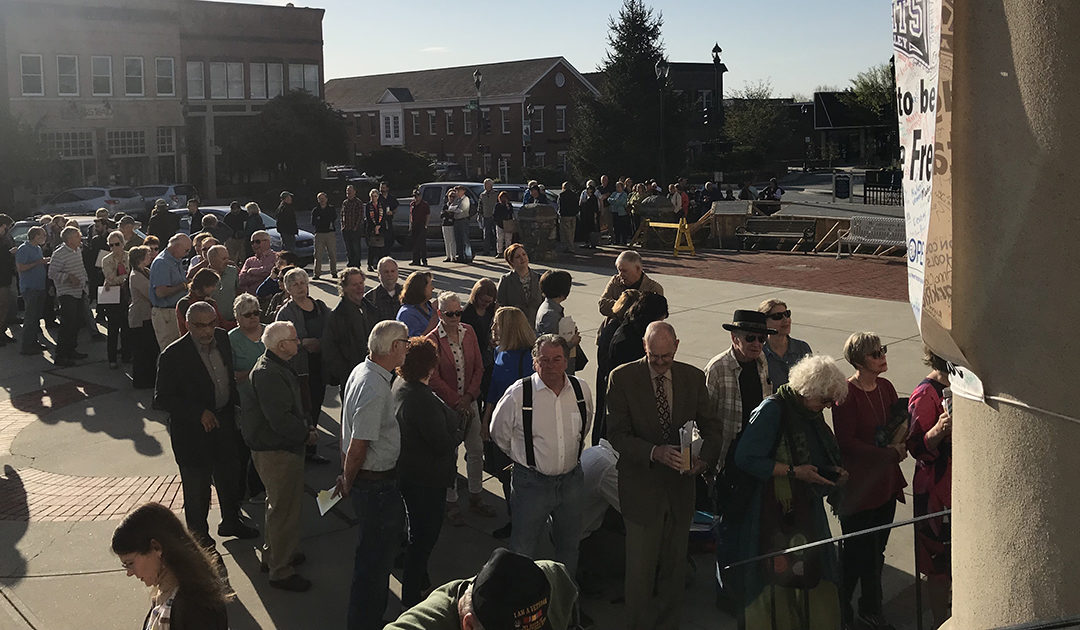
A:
[79,447]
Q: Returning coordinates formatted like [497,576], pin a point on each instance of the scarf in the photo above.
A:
[796,423]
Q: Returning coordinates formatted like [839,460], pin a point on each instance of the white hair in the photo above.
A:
[628,256]
[384,260]
[446,297]
[252,206]
[176,238]
[217,250]
[276,332]
[294,276]
[245,299]
[260,234]
[818,376]
[200,307]
[381,340]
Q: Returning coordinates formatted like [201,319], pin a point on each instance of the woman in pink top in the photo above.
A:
[457,383]
[872,457]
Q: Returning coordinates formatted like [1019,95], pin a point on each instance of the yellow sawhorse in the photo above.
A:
[684,241]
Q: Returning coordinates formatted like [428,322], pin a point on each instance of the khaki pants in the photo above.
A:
[326,242]
[568,225]
[282,473]
[166,328]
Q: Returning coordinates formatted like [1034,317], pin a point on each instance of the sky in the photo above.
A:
[795,45]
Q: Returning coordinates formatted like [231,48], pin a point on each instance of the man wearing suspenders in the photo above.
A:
[541,422]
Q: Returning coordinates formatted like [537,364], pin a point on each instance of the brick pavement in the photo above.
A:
[29,494]
[883,278]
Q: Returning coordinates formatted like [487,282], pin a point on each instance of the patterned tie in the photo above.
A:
[663,409]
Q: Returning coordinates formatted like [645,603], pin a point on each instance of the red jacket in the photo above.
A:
[875,470]
[444,381]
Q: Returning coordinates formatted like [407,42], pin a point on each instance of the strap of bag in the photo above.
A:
[526,420]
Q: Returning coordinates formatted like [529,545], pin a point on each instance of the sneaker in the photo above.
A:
[293,583]
[237,530]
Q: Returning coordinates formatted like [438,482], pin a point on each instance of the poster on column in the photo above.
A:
[916,42]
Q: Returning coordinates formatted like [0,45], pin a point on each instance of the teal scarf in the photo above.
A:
[793,448]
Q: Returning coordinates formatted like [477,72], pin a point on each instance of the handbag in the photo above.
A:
[510,226]
[376,240]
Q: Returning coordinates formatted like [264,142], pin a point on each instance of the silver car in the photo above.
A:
[176,195]
[88,199]
[305,241]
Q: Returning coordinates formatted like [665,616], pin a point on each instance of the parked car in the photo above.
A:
[88,199]
[305,241]
[175,194]
[435,194]
[518,192]
[339,177]
[20,229]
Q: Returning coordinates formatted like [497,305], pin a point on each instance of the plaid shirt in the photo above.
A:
[352,214]
[722,383]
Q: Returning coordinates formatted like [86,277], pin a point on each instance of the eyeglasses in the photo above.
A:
[877,354]
[259,240]
[756,338]
[453,313]
[248,314]
[781,315]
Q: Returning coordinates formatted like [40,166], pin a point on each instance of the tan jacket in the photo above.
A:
[615,287]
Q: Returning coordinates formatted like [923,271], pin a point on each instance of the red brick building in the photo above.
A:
[435,112]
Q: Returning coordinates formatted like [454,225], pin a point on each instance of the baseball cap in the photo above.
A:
[511,593]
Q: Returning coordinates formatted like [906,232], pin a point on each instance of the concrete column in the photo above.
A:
[1016,148]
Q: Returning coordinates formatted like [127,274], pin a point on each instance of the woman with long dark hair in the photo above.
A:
[186,591]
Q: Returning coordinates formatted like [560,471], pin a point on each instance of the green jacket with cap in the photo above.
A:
[440,610]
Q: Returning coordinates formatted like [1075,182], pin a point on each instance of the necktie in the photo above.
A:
[663,409]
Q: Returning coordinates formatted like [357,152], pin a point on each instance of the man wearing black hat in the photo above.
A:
[511,592]
[737,381]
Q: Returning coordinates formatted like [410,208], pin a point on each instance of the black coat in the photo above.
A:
[430,431]
[344,340]
[286,219]
[185,391]
[189,614]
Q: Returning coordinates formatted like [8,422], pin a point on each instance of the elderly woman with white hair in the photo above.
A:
[309,316]
[791,460]
[457,382]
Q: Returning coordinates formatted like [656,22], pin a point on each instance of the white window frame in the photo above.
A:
[69,145]
[537,122]
[158,77]
[219,78]
[141,77]
[195,73]
[60,76]
[564,163]
[296,76]
[94,75]
[373,124]
[415,122]
[311,83]
[166,141]
[390,131]
[449,114]
[504,167]
[485,116]
[487,164]
[24,75]
[539,159]
[466,122]
[234,79]
[431,122]
[123,138]
[466,163]
[257,82]
[505,122]
[560,119]
[275,80]
[704,99]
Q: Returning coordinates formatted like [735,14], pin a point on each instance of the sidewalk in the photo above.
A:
[79,447]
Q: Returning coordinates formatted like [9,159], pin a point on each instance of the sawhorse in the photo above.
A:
[684,241]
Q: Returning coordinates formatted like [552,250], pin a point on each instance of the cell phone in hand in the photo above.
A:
[946,399]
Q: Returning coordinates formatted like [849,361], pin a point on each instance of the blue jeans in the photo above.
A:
[534,497]
[381,516]
[353,243]
[461,238]
[34,300]
[489,235]
[425,507]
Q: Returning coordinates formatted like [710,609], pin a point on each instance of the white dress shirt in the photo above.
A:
[556,424]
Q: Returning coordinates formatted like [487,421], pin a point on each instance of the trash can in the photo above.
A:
[841,185]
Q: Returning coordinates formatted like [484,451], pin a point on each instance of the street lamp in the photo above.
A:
[478,78]
[719,68]
[662,69]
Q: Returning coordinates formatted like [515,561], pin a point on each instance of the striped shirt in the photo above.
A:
[722,383]
[66,267]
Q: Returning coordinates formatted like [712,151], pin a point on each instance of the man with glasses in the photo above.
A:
[370,445]
[258,267]
[737,381]
[649,400]
[196,386]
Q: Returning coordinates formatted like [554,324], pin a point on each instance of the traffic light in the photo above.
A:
[705,117]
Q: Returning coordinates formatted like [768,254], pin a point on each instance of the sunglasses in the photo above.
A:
[877,354]
[249,314]
[781,315]
[453,313]
[755,338]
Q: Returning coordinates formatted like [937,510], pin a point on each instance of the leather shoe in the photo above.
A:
[237,530]
[293,583]
[315,458]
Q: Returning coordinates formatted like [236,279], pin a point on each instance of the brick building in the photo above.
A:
[435,112]
[148,91]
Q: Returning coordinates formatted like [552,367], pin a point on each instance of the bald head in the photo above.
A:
[660,346]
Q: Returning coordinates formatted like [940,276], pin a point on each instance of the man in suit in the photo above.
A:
[648,401]
[196,385]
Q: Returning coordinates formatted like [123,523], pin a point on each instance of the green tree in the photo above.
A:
[875,90]
[402,169]
[754,121]
[294,133]
[618,133]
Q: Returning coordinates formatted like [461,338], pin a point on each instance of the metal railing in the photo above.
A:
[771,557]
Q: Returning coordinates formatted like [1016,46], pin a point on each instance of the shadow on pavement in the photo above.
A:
[15,519]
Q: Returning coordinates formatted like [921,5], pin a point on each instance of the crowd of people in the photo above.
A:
[239,354]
